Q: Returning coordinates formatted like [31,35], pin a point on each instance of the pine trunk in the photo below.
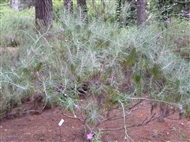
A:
[15,5]
[141,12]
[83,10]
[43,13]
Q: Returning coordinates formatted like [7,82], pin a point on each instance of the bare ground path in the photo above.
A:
[44,127]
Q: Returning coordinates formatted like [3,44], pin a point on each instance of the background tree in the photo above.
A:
[164,10]
[43,14]
[141,12]
[15,5]
[83,10]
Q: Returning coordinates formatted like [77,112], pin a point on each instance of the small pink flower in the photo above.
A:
[168,21]
[63,29]
[89,136]
[77,107]
[26,17]
[188,14]
[11,37]
[159,37]
[181,107]
[181,38]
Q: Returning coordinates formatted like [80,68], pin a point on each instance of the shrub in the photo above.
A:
[107,66]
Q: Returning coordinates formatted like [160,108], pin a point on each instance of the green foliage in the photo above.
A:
[131,58]
[104,10]
[156,71]
[17,27]
[57,7]
[4,2]
[100,62]
[165,9]
[97,137]
[24,4]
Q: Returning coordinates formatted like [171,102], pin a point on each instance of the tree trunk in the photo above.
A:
[141,12]
[15,5]
[83,10]
[43,13]
[68,5]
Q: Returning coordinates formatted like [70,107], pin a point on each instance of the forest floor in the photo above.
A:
[44,127]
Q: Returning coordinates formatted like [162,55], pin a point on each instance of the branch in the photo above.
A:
[144,122]
[135,104]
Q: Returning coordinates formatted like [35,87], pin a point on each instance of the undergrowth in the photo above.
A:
[108,66]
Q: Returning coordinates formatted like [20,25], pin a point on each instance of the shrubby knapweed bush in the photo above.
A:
[106,67]
[140,59]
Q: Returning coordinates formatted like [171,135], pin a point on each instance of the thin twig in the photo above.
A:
[135,104]
[125,127]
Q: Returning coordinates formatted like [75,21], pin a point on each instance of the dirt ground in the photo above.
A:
[44,127]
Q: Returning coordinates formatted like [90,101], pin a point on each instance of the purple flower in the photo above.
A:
[159,37]
[188,14]
[181,107]
[77,107]
[168,21]
[89,136]
[11,37]
[63,29]
[181,38]
[183,31]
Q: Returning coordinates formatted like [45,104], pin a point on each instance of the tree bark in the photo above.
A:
[83,10]
[141,12]
[68,5]
[15,5]
[43,14]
